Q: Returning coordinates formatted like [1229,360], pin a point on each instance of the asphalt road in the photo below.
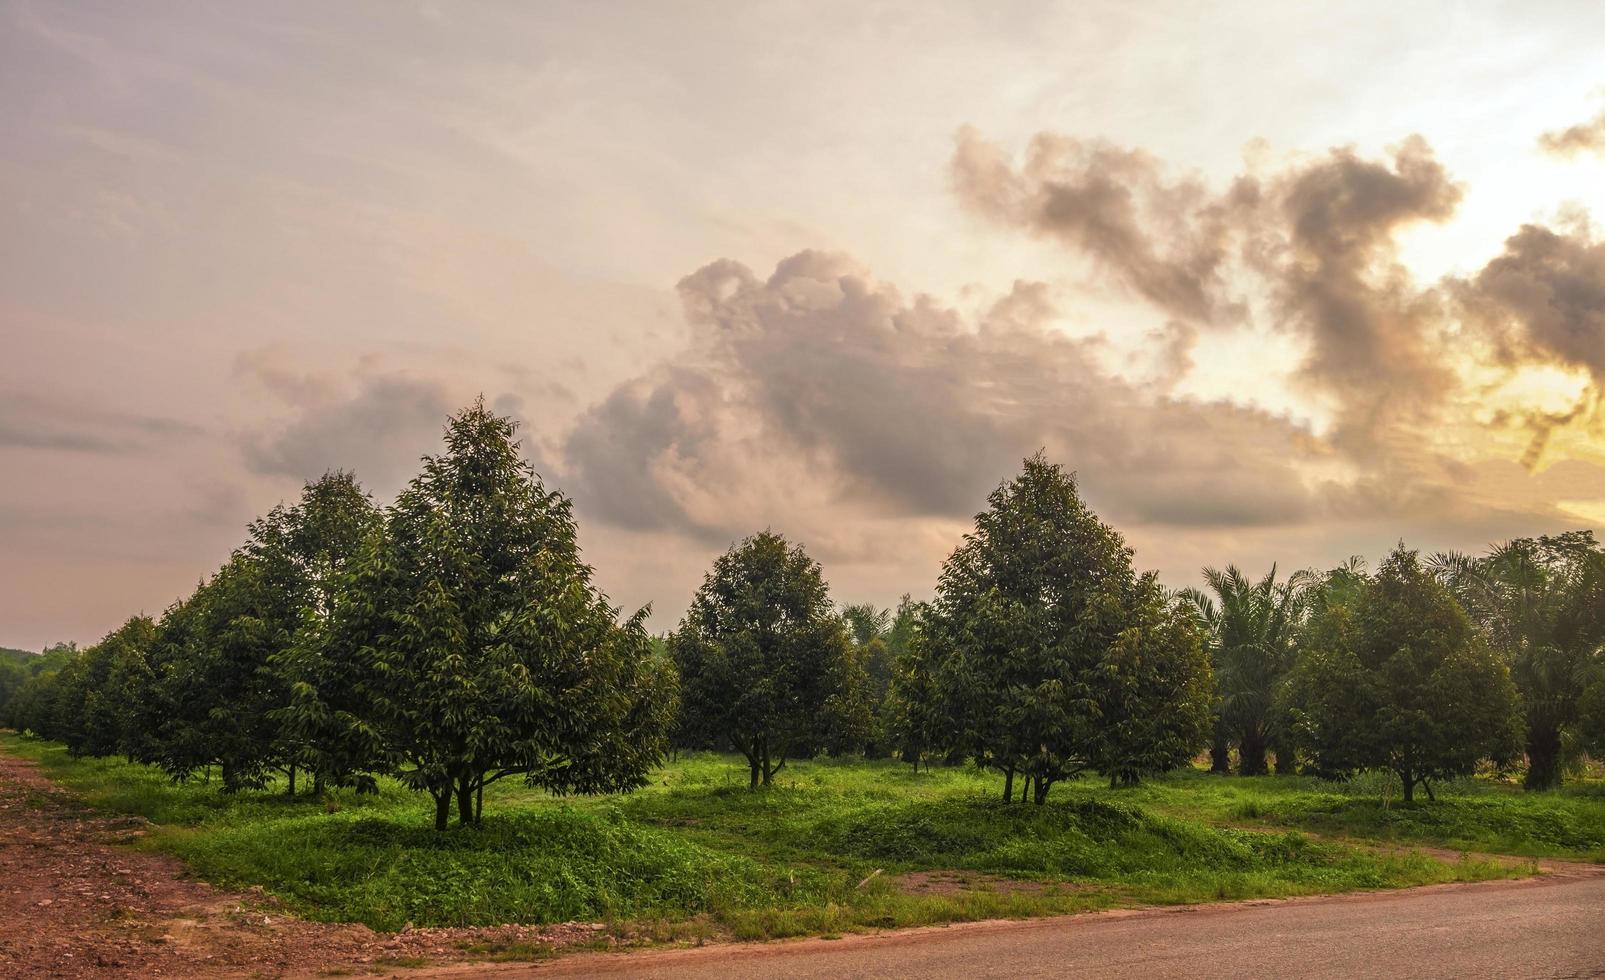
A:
[1547,927]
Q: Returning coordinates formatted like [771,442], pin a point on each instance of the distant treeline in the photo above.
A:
[455,638]
[18,666]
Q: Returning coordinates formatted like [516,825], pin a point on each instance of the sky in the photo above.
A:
[1281,283]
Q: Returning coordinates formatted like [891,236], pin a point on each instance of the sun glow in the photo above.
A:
[1547,389]
[1592,511]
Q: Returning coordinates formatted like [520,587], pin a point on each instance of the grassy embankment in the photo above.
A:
[697,854]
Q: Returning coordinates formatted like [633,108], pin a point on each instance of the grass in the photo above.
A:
[697,855]
[1480,815]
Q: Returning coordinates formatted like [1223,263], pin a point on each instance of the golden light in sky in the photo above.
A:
[1590,511]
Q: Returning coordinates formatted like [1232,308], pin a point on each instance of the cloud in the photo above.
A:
[1540,305]
[820,393]
[1586,137]
[58,425]
[1544,297]
[1316,241]
[1165,241]
[819,397]
[379,430]
[1415,373]
[1373,334]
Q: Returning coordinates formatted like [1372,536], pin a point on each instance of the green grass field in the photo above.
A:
[697,854]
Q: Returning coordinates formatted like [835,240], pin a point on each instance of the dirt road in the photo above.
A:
[1548,927]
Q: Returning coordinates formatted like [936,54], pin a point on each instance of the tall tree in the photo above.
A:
[306,550]
[129,689]
[227,668]
[761,654]
[1154,689]
[872,632]
[1045,643]
[848,718]
[866,622]
[913,717]
[1252,627]
[1394,676]
[1541,603]
[218,688]
[115,681]
[480,647]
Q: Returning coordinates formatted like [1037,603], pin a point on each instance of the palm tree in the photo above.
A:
[1541,603]
[1251,628]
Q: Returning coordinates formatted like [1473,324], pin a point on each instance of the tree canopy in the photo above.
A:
[1252,630]
[763,657]
[1395,676]
[1051,654]
[1541,605]
[479,647]
[456,637]
[451,640]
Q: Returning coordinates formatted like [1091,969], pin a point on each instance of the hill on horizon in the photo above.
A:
[17,656]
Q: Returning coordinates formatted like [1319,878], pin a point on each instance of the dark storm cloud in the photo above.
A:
[905,407]
[1581,138]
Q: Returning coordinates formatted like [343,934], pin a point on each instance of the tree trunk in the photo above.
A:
[465,800]
[1543,757]
[1220,754]
[771,771]
[479,802]
[1251,754]
[442,807]
[763,758]
[1043,785]
[1284,757]
[291,790]
[1008,785]
[750,750]
[317,783]
[1408,779]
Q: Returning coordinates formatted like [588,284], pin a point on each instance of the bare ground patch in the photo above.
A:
[959,882]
